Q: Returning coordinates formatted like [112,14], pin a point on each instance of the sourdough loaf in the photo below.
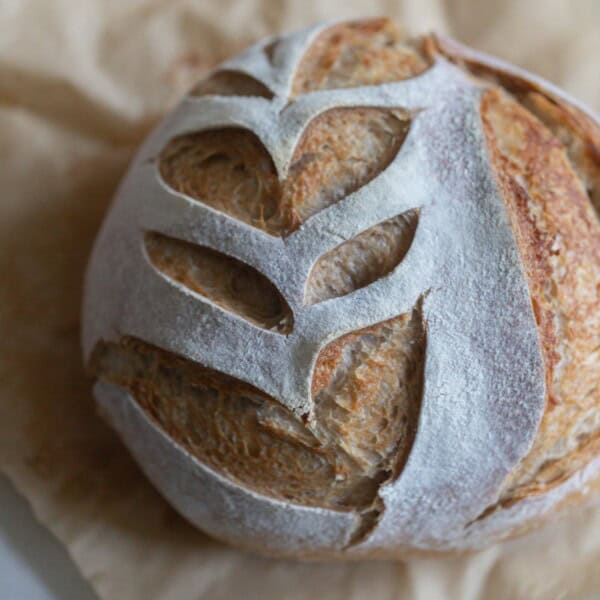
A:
[347,300]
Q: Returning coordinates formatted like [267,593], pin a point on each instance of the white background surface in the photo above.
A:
[33,565]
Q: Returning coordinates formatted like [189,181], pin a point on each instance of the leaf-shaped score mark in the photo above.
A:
[231,83]
[231,284]
[367,389]
[362,260]
[368,52]
[230,170]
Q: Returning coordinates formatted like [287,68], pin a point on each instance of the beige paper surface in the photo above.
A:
[81,83]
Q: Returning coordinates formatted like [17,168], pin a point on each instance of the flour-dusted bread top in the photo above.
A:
[346,302]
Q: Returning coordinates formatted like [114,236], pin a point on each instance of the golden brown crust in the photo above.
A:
[559,239]
[576,130]
[505,121]
[230,170]
[368,52]
[227,424]
[372,412]
[341,151]
[579,134]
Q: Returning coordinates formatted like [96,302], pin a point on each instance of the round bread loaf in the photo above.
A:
[347,300]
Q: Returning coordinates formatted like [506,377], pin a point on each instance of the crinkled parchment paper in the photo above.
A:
[81,83]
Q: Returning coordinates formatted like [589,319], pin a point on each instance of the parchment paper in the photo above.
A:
[81,83]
